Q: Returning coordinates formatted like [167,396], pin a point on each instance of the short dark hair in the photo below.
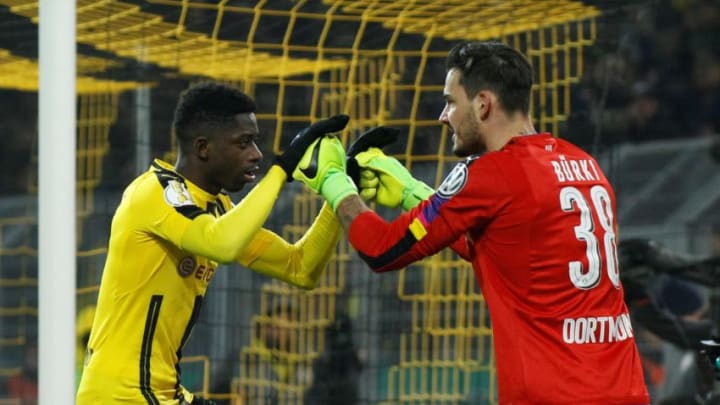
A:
[494,66]
[208,105]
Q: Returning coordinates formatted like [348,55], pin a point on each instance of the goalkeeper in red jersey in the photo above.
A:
[535,215]
[173,227]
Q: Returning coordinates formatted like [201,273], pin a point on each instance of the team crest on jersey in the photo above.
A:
[186,266]
[454,182]
[177,195]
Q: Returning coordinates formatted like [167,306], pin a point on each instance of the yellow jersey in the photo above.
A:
[166,240]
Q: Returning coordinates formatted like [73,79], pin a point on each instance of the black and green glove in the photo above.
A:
[323,170]
[378,137]
[289,159]
[364,179]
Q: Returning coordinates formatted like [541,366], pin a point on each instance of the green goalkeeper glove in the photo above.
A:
[395,185]
[367,184]
[365,179]
[289,159]
[322,168]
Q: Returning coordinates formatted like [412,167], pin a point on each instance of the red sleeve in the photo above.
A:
[462,248]
[469,197]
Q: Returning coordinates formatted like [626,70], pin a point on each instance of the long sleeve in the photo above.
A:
[438,222]
[300,264]
[223,239]
[462,248]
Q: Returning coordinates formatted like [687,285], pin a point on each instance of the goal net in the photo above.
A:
[418,336]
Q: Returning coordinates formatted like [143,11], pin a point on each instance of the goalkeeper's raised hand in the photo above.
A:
[366,180]
[323,169]
[289,159]
[395,185]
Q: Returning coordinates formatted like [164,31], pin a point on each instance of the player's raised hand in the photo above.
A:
[366,180]
[377,137]
[289,159]
[368,184]
[323,169]
[395,185]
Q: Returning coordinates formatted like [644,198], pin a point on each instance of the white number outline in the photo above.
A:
[570,199]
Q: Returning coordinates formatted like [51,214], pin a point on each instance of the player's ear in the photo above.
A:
[200,146]
[483,104]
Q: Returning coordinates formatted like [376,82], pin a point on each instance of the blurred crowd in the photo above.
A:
[654,73]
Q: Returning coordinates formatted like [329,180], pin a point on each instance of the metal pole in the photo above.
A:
[56,200]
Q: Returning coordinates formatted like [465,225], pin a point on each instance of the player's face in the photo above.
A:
[460,117]
[235,156]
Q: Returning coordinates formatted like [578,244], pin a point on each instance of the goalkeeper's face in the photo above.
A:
[461,117]
[234,157]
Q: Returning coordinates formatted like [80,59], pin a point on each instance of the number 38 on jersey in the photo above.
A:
[572,200]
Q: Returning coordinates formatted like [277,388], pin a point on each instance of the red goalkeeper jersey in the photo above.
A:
[537,221]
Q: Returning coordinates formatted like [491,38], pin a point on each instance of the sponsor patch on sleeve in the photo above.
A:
[177,195]
[186,266]
[454,182]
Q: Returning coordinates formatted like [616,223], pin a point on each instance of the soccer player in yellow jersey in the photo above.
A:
[173,227]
